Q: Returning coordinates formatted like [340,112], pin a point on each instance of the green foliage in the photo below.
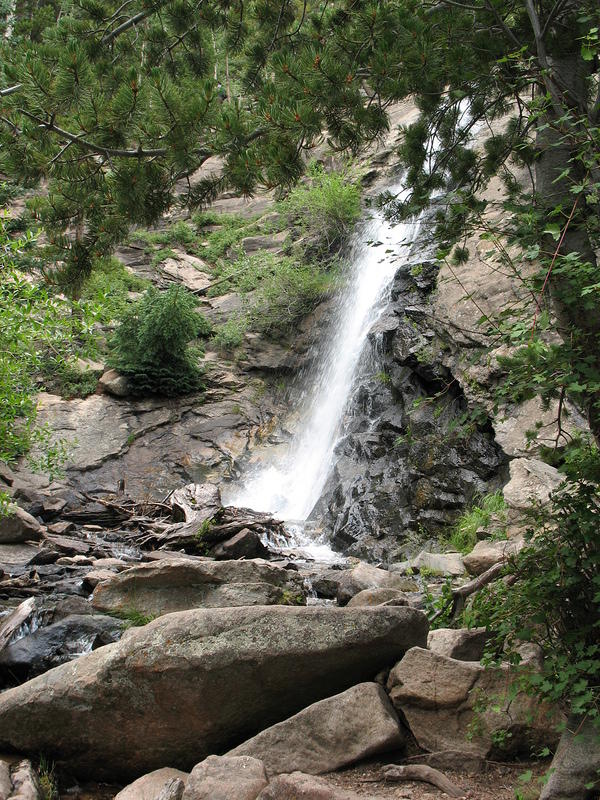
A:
[280,290]
[47,779]
[553,598]
[463,536]
[323,208]
[151,346]
[69,381]
[229,336]
[133,618]
[202,546]
[226,231]
[39,332]
[108,287]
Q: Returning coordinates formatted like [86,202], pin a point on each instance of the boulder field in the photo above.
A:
[198,682]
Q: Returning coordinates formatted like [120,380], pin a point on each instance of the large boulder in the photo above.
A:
[460,705]
[364,576]
[340,730]
[166,586]
[576,763]
[485,554]
[298,786]
[199,682]
[377,597]
[18,526]
[225,778]
[464,644]
[153,785]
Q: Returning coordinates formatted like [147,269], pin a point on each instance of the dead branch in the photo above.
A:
[420,772]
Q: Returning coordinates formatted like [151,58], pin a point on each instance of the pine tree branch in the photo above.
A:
[95,148]
[11,90]
[124,26]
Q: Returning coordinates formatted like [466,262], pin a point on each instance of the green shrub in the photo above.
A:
[69,381]
[288,293]
[280,289]
[229,336]
[324,207]
[553,595]
[108,287]
[151,346]
[232,228]
[38,330]
[463,536]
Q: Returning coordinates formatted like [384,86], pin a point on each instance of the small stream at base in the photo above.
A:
[290,483]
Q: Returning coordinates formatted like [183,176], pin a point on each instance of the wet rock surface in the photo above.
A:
[406,465]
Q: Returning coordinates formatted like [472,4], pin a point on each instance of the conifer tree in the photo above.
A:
[115,105]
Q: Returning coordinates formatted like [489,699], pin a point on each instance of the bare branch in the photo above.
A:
[11,90]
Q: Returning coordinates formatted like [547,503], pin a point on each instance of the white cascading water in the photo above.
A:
[290,485]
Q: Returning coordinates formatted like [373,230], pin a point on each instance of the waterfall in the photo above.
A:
[290,484]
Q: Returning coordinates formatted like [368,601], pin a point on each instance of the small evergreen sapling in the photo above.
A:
[152,348]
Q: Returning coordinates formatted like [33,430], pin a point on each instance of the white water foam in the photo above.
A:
[290,484]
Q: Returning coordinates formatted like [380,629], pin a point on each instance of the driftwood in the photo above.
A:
[14,620]
[195,502]
[460,593]
[420,772]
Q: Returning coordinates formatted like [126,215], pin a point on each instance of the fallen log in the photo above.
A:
[424,774]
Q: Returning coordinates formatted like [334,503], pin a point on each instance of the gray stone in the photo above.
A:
[25,784]
[192,683]
[226,778]
[114,383]
[530,481]
[330,734]
[5,781]
[485,554]
[376,597]
[150,786]
[298,786]
[576,763]
[364,576]
[460,705]
[165,586]
[463,644]
[19,526]
[439,563]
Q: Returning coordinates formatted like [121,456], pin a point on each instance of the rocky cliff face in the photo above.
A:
[412,456]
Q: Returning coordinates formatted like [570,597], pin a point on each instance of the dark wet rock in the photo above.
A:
[245,544]
[56,644]
[192,683]
[401,469]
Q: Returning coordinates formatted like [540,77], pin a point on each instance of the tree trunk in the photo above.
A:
[557,145]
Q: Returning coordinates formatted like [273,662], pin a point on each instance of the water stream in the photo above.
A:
[289,484]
